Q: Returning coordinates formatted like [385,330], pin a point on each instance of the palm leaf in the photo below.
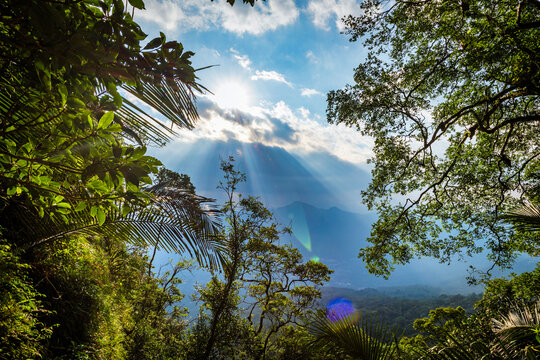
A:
[470,343]
[175,102]
[173,99]
[517,330]
[360,337]
[172,220]
[525,217]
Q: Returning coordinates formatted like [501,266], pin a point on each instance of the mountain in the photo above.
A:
[325,232]
[402,292]
[275,175]
[334,237]
[309,193]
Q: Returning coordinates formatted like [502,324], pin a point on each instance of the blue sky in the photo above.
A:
[275,63]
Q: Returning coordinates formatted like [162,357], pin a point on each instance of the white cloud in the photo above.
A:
[323,11]
[267,75]
[270,75]
[243,60]
[310,92]
[169,15]
[278,125]
[263,17]
[183,15]
[304,112]
[312,57]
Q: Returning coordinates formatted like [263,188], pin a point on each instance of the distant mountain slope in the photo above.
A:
[399,312]
[405,292]
[329,234]
[335,236]
[273,174]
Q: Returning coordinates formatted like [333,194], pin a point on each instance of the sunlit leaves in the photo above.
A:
[105,120]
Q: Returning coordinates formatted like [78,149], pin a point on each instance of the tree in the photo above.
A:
[21,330]
[265,279]
[449,92]
[281,288]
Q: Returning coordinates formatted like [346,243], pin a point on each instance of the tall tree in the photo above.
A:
[449,91]
[269,280]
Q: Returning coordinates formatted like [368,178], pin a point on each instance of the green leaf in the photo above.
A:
[139,4]
[62,90]
[152,44]
[100,217]
[106,120]
[125,210]
[81,206]
[138,152]
[75,103]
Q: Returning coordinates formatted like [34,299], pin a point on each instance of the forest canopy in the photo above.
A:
[450,94]
[449,91]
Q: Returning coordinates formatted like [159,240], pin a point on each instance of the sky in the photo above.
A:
[272,66]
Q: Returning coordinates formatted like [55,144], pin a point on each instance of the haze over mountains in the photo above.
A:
[309,193]
[334,236]
[276,176]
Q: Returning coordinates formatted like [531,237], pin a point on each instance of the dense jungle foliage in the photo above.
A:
[399,312]
[83,209]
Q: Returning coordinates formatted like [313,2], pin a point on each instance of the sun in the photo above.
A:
[233,94]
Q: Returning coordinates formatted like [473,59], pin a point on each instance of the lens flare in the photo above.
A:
[339,308]
[300,227]
[316,259]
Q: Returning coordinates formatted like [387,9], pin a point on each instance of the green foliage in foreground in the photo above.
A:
[21,330]
[73,150]
[88,299]
[73,158]
[359,337]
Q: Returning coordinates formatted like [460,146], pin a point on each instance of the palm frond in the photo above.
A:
[511,337]
[517,330]
[176,102]
[525,217]
[173,220]
[462,345]
[360,337]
